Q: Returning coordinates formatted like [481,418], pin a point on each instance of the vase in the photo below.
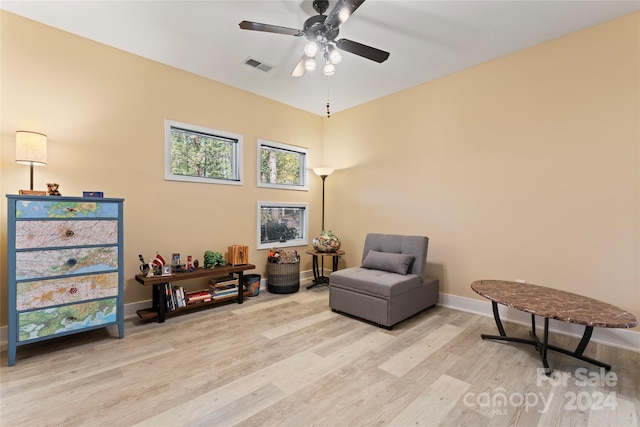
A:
[326,242]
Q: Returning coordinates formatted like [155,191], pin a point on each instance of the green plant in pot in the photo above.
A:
[212,259]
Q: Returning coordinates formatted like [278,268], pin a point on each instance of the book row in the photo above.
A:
[177,297]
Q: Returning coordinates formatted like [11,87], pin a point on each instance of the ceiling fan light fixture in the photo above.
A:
[309,64]
[321,32]
[334,55]
[310,49]
[329,69]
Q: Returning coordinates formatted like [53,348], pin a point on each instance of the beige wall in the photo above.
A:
[103,111]
[526,167]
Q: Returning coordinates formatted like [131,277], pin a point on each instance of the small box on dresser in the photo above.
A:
[65,267]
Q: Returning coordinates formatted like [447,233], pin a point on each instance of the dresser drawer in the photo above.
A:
[52,208]
[46,293]
[60,262]
[53,321]
[47,234]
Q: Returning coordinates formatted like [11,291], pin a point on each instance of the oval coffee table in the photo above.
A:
[552,303]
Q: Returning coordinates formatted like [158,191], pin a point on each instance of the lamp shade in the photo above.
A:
[31,148]
[310,49]
[329,69]
[323,171]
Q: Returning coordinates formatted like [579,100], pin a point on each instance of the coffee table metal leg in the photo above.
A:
[503,336]
[585,340]
[533,325]
[545,347]
[496,316]
[580,349]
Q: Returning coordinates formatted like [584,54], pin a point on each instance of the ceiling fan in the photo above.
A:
[321,31]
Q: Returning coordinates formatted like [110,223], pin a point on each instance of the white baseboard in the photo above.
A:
[619,338]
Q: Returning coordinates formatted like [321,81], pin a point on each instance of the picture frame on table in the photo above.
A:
[166,270]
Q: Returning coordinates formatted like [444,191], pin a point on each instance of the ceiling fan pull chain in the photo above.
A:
[328,105]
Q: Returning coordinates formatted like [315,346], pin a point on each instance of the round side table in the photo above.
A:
[318,277]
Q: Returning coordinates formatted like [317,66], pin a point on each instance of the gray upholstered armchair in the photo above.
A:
[390,285]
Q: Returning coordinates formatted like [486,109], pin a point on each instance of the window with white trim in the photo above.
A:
[281,166]
[198,154]
[282,224]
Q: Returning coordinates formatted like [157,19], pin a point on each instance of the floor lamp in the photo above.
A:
[323,173]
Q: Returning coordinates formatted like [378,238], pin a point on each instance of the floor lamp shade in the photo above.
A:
[323,172]
[31,149]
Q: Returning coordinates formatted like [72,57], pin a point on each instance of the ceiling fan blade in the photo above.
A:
[341,12]
[362,50]
[257,26]
[299,70]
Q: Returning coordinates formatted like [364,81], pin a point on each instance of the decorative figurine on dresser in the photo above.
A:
[65,265]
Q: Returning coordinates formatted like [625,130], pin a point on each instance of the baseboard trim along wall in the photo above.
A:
[619,338]
[614,337]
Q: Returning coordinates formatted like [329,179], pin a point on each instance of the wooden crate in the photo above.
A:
[238,254]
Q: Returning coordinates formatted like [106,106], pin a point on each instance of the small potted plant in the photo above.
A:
[212,259]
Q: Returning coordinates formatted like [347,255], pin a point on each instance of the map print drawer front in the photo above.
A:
[65,209]
[58,320]
[41,264]
[47,234]
[46,293]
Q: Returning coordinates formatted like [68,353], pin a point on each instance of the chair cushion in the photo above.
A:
[386,261]
[374,282]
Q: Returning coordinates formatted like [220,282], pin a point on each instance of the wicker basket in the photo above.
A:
[283,278]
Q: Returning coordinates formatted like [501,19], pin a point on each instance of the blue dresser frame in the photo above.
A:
[63,211]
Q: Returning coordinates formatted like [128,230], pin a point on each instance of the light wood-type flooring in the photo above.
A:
[288,360]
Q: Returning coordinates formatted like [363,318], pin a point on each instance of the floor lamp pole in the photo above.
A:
[322,173]
[323,178]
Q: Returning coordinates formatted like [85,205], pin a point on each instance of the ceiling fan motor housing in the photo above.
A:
[315,30]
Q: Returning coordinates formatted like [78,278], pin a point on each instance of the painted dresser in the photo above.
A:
[65,267]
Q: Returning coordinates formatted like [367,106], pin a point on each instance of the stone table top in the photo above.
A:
[554,304]
[318,253]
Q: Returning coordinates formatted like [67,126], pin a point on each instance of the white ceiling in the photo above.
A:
[426,39]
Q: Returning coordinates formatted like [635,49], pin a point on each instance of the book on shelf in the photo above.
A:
[174,297]
[179,295]
[223,281]
[232,291]
[170,306]
[216,288]
[198,296]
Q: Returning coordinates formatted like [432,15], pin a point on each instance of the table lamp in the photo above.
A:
[31,149]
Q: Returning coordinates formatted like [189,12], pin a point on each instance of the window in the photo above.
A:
[198,154]
[281,166]
[282,224]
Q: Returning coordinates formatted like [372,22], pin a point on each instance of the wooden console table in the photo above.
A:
[158,309]
[552,304]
